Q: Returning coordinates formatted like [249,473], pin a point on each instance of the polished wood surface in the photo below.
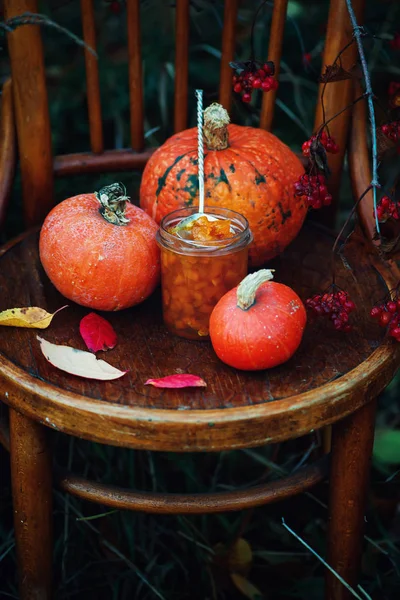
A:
[274,54]
[352,443]
[32,505]
[161,503]
[110,160]
[316,387]
[338,94]
[135,74]
[31,113]
[92,78]
[8,147]
[182,34]
[228,53]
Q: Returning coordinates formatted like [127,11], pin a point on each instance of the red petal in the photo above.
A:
[177,381]
[97,333]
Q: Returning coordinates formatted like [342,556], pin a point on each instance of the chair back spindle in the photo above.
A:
[338,94]
[182,28]
[92,78]
[31,113]
[228,53]
[135,74]
[274,53]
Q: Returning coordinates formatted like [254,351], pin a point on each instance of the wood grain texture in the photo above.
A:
[352,443]
[182,29]
[8,147]
[330,376]
[31,478]
[149,502]
[360,171]
[32,113]
[274,54]
[110,160]
[4,430]
[337,95]
[135,74]
[92,78]
[228,52]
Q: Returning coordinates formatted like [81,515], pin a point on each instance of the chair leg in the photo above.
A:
[31,467]
[352,441]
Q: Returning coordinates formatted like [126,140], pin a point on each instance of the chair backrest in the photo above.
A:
[37,163]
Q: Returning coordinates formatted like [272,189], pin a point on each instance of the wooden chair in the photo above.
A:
[237,410]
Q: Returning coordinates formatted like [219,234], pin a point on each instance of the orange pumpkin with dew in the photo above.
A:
[100,251]
[245,169]
[257,325]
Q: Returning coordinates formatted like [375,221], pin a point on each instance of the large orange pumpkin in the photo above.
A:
[100,251]
[246,169]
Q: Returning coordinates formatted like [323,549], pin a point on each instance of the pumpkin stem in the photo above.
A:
[113,200]
[247,289]
[216,121]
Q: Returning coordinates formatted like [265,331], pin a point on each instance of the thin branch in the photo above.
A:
[358,33]
[29,18]
[342,581]
[340,112]
[347,221]
[252,56]
[338,58]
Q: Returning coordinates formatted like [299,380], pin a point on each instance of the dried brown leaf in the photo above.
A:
[336,72]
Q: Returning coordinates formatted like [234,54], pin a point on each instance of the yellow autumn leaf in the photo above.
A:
[30,316]
[247,588]
[240,556]
[237,558]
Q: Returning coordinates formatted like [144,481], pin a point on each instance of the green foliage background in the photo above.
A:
[123,555]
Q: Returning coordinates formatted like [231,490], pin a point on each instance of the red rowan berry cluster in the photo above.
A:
[392,131]
[254,76]
[387,208]
[315,190]
[388,315]
[326,140]
[335,305]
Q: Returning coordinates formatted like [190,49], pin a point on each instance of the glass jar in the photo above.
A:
[195,275]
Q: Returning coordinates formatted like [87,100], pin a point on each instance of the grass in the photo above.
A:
[118,555]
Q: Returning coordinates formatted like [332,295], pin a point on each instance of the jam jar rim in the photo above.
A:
[236,243]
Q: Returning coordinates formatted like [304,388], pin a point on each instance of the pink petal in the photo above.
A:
[97,333]
[177,381]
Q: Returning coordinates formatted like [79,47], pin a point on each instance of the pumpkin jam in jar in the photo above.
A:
[199,267]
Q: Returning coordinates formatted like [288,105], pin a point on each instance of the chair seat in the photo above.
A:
[331,374]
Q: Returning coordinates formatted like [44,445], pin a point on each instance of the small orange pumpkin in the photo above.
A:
[245,169]
[257,325]
[100,251]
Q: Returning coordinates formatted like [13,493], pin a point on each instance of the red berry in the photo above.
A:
[375,312]
[257,83]
[391,306]
[384,319]
[115,7]
[266,85]
[246,97]
[237,88]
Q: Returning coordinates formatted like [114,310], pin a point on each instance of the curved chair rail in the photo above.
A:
[167,503]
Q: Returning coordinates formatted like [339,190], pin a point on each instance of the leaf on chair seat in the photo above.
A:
[30,316]
[177,381]
[78,362]
[97,333]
